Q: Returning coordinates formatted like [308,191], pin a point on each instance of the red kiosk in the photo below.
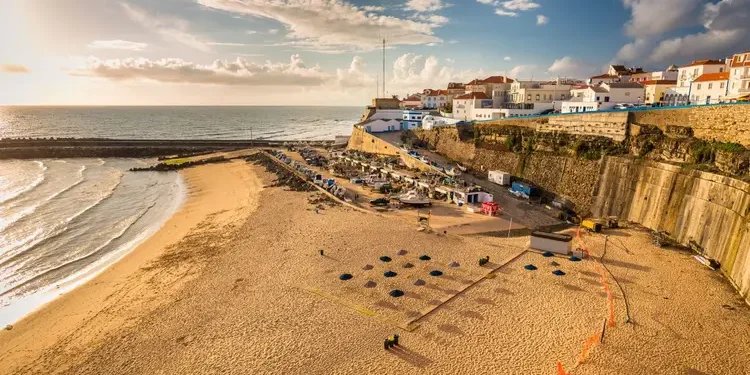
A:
[490,208]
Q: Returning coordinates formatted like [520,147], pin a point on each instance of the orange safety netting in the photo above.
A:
[595,338]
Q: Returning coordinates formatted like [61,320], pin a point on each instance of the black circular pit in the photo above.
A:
[436,273]
[345,276]
[390,274]
[396,293]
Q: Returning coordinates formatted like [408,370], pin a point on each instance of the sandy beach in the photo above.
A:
[235,284]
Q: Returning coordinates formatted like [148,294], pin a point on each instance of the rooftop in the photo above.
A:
[625,85]
[473,95]
[604,76]
[659,82]
[703,62]
[710,77]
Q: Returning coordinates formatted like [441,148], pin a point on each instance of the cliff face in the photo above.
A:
[639,185]
[709,209]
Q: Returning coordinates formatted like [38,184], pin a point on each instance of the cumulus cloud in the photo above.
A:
[725,24]
[412,72]
[520,5]
[425,5]
[655,17]
[238,73]
[570,67]
[526,70]
[541,20]
[332,23]
[507,58]
[355,76]
[170,28]
[118,44]
[13,69]
[511,8]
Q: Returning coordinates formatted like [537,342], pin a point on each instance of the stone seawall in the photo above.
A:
[709,209]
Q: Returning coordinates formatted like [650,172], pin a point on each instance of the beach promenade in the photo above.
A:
[234,283]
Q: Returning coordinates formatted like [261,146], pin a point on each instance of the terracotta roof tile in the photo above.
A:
[473,95]
[658,82]
[703,62]
[710,77]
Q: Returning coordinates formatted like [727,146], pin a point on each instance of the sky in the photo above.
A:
[329,52]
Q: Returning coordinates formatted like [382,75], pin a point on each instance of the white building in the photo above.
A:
[379,125]
[603,96]
[539,92]
[436,99]
[709,88]
[687,74]
[739,77]
[412,119]
[465,106]
[431,122]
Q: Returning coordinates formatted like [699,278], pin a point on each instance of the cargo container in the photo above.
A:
[523,188]
[499,177]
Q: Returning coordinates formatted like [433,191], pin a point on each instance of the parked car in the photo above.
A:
[547,111]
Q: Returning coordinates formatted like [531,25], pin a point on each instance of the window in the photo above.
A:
[721,86]
[721,70]
[537,97]
[597,99]
[606,99]
[699,86]
[695,71]
[528,97]
[710,86]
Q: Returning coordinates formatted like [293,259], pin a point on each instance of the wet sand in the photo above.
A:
[262,300]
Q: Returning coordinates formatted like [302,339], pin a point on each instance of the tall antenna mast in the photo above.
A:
[383,67]
[377,87]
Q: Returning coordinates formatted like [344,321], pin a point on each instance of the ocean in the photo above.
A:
[282,123]
[64,221]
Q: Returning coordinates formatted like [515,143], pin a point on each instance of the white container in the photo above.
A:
[499,177]
[552,242]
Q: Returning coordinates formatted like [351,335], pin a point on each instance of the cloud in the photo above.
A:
[251,32]
[507,58]
[425,5]
[570,67]
[520,5]
[273,31]
[370,8]
[512,7]
[432,19]
[656,17]
[541,20]
[234,73]
[117,44]
[227,44]
[503,12]
[332,23]
[518,70]
[412,73]
[724,22]
[355,76]
[170,28]
[706,45]
[13,69]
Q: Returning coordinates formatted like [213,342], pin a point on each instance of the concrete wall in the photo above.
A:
[361,140]
[365,142]
[709,209]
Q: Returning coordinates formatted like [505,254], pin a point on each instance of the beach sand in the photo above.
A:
[219,196]
[263,300]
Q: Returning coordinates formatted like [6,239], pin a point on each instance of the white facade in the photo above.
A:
[538,92]
[604,96]
[430,122]
[381,125]
[709,89]
[739,75]
[467,107]
[689,73]
[435,99]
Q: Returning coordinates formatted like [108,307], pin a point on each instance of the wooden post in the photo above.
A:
[604,328]
[509,226]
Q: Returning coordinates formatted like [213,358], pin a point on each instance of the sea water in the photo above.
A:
[64,221]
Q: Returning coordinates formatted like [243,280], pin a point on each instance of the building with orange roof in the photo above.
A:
[739,76]
[436,99]
[709,88]
[688,73]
